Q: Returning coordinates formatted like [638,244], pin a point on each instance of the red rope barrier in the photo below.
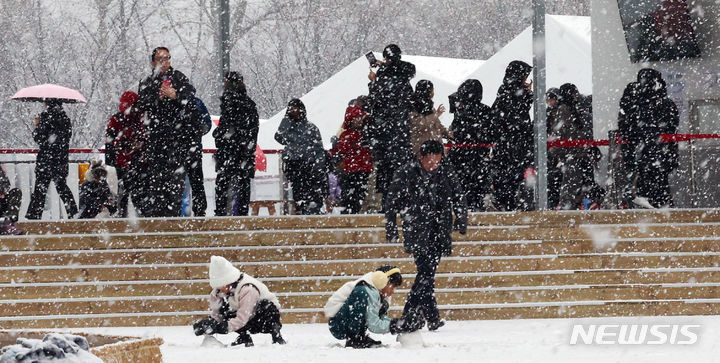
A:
[99,151]
[551,143]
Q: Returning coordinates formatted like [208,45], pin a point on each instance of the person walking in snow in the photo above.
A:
[426,193]
[471,126]
[424,119]
[514,149]
[362,305]
[163,96]
[124,140]
[304,158]
[236,140]
[356,160]
[389,100]
[52,133]
[239,303]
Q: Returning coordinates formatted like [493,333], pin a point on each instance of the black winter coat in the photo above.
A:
[94,195]
[53,137]
[426,202]
[391,91]
[165,117]
[513,129]
[236,135]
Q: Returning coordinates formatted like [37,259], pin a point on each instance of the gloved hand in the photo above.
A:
[395,328]
[210,326]
[460,225]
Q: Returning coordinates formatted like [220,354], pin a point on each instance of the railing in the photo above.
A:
[267,185]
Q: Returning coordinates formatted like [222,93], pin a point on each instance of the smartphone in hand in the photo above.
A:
[371,58]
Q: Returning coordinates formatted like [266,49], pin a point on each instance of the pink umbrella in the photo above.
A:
[45,92]
[260,159]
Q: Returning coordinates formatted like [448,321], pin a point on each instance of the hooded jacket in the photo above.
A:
[513,127]
[236,134]
[301,138]
[124,131]
[355,156]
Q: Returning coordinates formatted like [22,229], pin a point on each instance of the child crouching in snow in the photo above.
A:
[361,305]
[239,303]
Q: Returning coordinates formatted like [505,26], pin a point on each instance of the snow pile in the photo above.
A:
[53,348]
[411,340]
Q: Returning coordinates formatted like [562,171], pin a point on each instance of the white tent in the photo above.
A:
[568,56]
[568,60]
[327,102]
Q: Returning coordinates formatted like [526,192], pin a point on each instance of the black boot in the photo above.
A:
[277,338]
[372,342]
[435,325]
[359,341]
[243,338]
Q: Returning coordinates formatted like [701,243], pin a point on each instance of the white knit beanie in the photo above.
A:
[222,272]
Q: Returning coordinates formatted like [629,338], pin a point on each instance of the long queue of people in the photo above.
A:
[154,143]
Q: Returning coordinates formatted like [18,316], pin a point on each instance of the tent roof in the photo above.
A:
[568,60]
[327,102]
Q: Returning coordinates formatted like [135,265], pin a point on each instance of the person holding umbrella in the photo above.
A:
[52,133]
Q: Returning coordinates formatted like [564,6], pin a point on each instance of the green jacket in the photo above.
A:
[360,312]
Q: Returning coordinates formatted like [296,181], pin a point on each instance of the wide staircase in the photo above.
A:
[508,266]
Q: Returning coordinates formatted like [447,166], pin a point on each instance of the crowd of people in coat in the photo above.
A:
[154,143]
[490,147]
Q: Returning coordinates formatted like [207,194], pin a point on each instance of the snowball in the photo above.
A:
[411,340]
[211,342]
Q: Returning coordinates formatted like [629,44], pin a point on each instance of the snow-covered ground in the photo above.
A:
[459,341]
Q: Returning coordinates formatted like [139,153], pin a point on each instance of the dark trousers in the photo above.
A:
[232,186]
[309,185]
[266,319]
[44,174]
[507,180]
[421,298]
[193,168]
[10,204]
[354,189]
[126,189]
[162,193]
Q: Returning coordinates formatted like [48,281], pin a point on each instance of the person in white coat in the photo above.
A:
[239,303]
